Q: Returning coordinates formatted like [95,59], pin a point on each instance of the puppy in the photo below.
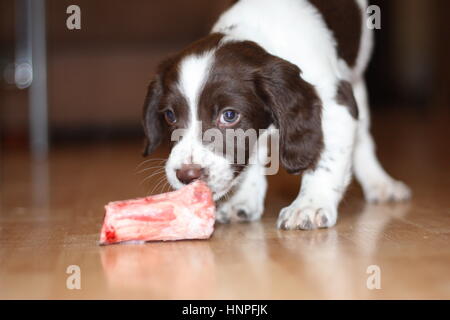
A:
[291,66]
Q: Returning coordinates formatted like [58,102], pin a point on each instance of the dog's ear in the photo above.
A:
[296,111]
[152,120]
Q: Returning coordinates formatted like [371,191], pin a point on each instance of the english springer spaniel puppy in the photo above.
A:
[295,66]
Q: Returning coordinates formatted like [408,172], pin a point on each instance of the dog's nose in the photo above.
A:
[189,172]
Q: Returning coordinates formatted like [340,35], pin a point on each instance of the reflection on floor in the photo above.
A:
[51,214]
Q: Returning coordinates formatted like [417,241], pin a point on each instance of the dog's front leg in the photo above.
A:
[323,187]
[247,201]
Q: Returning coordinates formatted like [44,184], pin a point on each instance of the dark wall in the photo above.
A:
[410,65]
[98,75]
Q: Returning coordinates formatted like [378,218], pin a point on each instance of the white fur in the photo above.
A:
[289,29]
[193,73]
[377,185]
[295,31]
[251,188]
[248,198]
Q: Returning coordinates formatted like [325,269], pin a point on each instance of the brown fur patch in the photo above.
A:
[344,19]
[345,97]
[263,88]
[163,93]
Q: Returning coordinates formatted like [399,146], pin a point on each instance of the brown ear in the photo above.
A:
[296,110]
[152,120]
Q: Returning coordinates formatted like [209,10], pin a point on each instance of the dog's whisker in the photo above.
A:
[150,160]
[155,173]
[167,185]
[156,164]
[164,187]
[161,171]
[160,180]
[150,168]
[154,185]
[159,183]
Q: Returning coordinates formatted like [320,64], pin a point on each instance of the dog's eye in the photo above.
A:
[170,116]
[229,117]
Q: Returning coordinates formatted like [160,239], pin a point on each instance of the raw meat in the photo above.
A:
[187,213]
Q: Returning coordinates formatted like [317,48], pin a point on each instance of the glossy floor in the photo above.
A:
[51,214]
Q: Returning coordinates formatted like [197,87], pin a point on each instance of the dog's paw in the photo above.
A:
[388,190]
[306,218]
[238,212]
[222,216]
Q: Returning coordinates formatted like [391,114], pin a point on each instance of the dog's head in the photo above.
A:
[216,85]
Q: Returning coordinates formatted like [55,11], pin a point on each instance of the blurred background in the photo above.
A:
[95,78]
[84,105]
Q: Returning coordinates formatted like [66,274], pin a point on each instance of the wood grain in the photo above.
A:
[51,214]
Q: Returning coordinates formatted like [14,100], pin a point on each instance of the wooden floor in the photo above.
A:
[51,215]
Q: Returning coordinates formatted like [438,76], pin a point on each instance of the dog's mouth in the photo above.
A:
[218,190]
[221,194]
[221,179]
[223,191]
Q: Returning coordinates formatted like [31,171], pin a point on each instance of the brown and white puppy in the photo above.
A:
[294,66]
